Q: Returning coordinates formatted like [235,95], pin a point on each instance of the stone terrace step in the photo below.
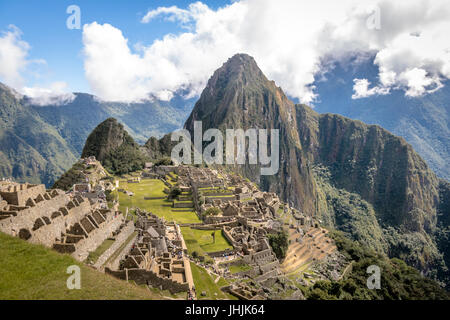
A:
[313,233]
[319,237]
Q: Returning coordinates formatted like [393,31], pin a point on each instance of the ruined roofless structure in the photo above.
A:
[157,257]
[54,219]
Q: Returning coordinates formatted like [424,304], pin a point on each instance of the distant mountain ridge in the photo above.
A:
[423,121]
[39,143]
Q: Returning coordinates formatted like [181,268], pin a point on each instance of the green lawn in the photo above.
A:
[30,272]
[202,240]
[170,180]
[204,282]
[239,268]
[161,207]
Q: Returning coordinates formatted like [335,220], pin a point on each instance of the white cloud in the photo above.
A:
[174,13]
[289,39]
[55,94]
[14,65]
[361,88]
[13,56]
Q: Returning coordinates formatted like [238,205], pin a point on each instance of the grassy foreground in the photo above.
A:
[32,272]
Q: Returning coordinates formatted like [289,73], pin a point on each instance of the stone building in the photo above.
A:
[69,224]
[157,258]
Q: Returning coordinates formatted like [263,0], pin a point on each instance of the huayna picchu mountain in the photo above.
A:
[117,151]
[355,177]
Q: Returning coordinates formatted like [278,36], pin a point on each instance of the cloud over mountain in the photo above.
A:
[15,65]
[55,94]
[292,41]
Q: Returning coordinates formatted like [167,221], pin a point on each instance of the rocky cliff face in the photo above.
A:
[156,149]
[382,168]
[239,96]
[107,136]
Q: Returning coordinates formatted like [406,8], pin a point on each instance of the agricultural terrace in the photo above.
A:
[153,188]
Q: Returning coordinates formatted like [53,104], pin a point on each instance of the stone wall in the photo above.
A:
[97,236]
[223,199]
[141,276]
[27,218]
[19,194]
[114,265]
[221,253]
[119,240]
[47,234]
[55,219]
[183,204]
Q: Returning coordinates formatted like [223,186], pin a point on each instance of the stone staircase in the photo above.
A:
[313,246]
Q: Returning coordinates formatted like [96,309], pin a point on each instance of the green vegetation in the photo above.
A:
[240,268]
[174,193]
[153,188]
[166,161]
[71,177]
[31,149]
[126,158]
[202,241]
[111,144]
[349,213]
[205,283]
[30,271]
[398,280]
[279,243]
[213,211]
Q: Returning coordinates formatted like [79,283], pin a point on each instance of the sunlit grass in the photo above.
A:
[202,240]
[31,272]
[153,188]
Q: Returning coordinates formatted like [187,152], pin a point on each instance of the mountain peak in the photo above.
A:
[108,135]
[116,150]
[240,60]
[237,95]
[240,67]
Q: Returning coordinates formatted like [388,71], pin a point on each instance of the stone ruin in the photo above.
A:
[55,219]
[242,202]
[157,257]
[198,177]
[252,242]
[245,291]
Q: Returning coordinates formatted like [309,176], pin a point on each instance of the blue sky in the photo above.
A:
[43,24]
[119,57]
